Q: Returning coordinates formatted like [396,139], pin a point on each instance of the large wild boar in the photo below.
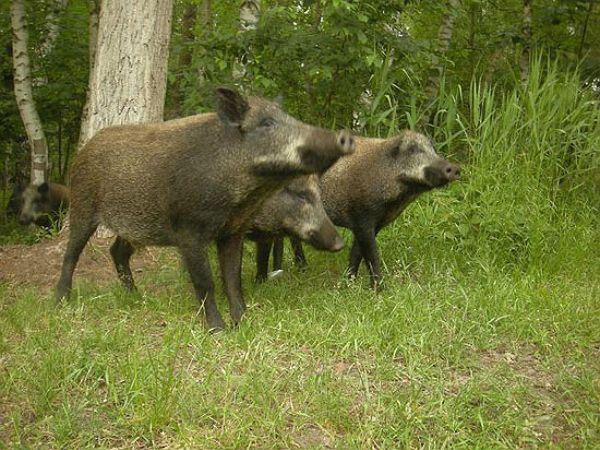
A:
[368,190]
[43,204]
[190,181]
[296,210]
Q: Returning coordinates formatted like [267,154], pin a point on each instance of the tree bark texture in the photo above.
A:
[443,44]
[128,82]
[249,14]
[524,60]
[93,16]
[24,94]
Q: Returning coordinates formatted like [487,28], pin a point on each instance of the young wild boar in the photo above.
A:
[368,190]
[43,204]
[190,181]
[295,210]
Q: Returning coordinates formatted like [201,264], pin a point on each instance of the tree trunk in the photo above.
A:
[584,31]
[443,44]
[24,94]
[94,13]
[128,81]
[52,27]
[524,61]
[249,14]
[188,22]
[206,15]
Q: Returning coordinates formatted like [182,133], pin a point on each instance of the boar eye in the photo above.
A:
[267,122]
[303,196]
[395,152]
[413,150]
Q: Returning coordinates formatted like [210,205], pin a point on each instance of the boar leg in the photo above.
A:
[121,252]
[80,232]
[299,258]
[230,259]
[195,257]
[263,250]
[370,253]
[277,253]
[355,259]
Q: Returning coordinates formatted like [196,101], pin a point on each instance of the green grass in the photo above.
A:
[440,359]
[486,336]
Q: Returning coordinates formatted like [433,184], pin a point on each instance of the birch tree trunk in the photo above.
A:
[443,44]
[524,60]
[24,94]
[52,24]
[249,16]
[128,81]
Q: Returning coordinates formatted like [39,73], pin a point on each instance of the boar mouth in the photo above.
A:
[415,184]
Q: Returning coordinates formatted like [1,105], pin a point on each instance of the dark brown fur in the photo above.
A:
[43,204]
[190,181]
[370,189]
[296,210]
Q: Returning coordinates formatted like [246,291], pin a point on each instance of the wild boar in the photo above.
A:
[296,210]
[190,181]
[368,190]
[43,204]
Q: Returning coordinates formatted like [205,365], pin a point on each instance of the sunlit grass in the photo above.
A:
[486,336]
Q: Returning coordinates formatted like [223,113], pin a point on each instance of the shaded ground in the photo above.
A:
[39,265]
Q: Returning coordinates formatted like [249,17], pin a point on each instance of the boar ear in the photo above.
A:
[231,106]
[43,188]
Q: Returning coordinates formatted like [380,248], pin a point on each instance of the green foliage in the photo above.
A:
[530,192]
[60,82]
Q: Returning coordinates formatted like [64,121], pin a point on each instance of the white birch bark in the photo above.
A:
[443,44]
[249,14]
[249,17]
[128,82]
[24,94]
[52,27]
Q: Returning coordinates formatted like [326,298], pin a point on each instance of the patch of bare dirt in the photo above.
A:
[39,265]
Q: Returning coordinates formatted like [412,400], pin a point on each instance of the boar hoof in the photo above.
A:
[216,326]
[377,285]
[61,294]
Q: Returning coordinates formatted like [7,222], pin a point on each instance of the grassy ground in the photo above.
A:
[486,336]
[445,357]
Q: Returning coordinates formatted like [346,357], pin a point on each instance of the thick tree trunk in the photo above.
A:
[128,81]
[524,60]
[443,44]
[24,94]
[94,13]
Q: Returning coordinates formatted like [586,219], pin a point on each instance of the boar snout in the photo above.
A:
[452,172]
[326,238]
[441,173]
[345,142]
